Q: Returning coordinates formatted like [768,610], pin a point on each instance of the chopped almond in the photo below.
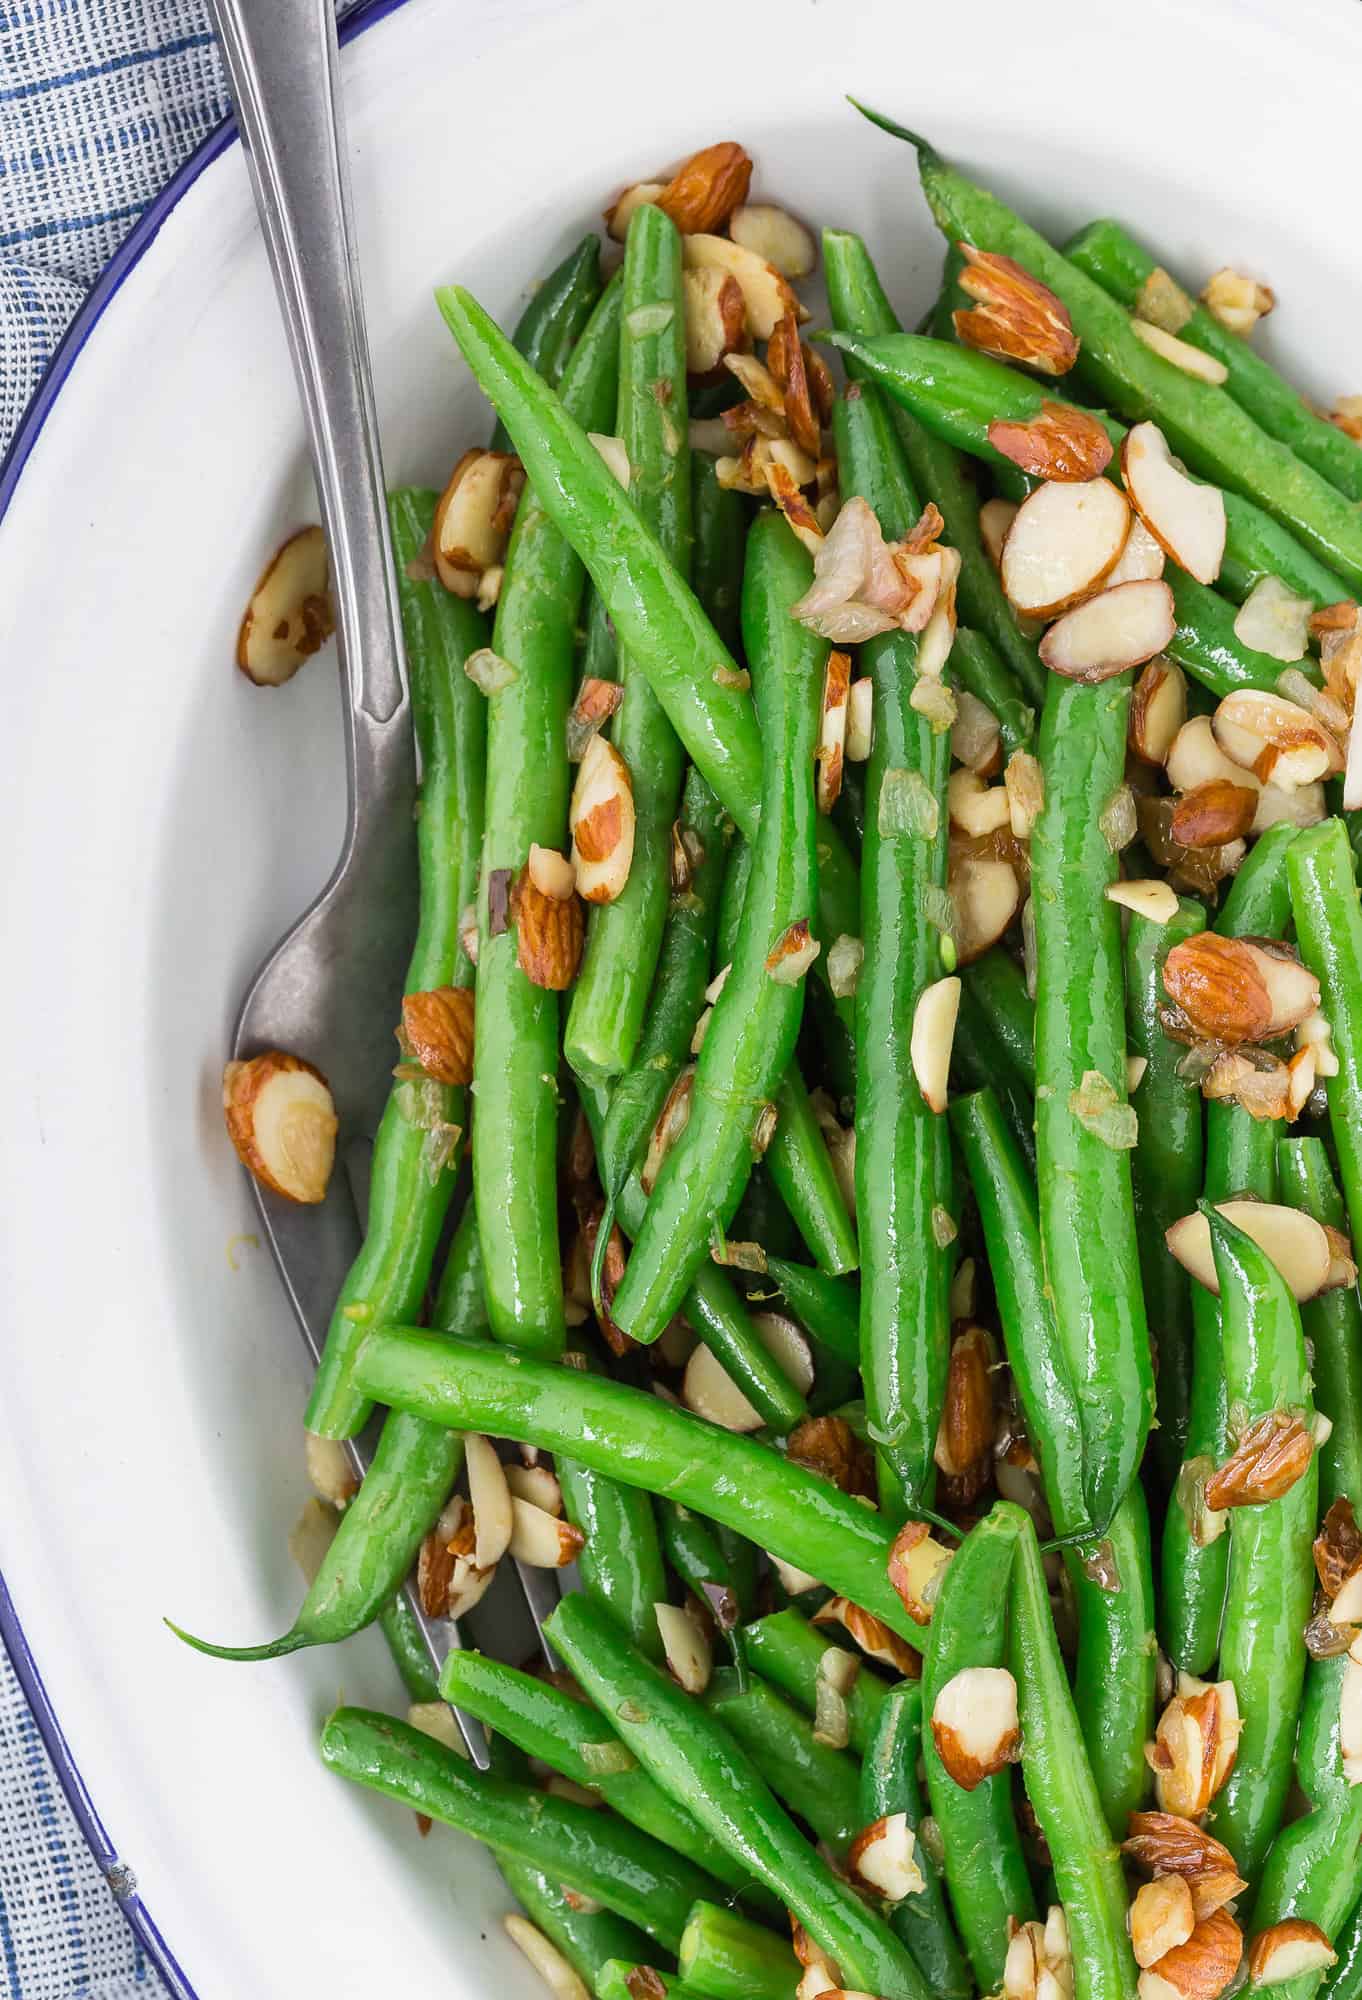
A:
[1017,318]
[828,1446]
[551,872]
[686,1646]
[1287,1949]
[860,719]
[434,1572]
[916,1565]
[766,294]
[1194,1748]
[986,897]
[282,1120]
[876,1640]
[832,735]
[549,934]
[1201,1968]
[620,212]
[1158,709]
[973,806]
[602,822]
[1161,1918]
[793,952]
[1141,560]
[1062,442]
[541,1539]
[490,1495]
[1161,1843]
[975,1726]
[1338,1548]
[1214,813]
[474,517]
[438,1026]
[995,519]
[775,236]
[1237,301]
[706,188]
[596,702]
[716,318]
[1152,900]
[1271,1456]
[290,615]
[884,1857]
[1275,738]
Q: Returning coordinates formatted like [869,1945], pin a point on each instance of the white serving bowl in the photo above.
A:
[166,820]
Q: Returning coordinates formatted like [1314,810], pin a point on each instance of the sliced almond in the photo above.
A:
[787,1347]
[1016,317]
[975,1726]
[1293,1240]
[1274,738]
[474,517]
[860,714]
[1062,442]
[793,952]
[1269,1458]
[541,1539]
[620,211]
[1237,301]
[555,1971]
[490,1495]
[549,934]
[774,235]
[536,1483]
[686,1647]
[766,294]
[932,1039]
[435,1719]
[1158,710]
[670,1124]
[1301,1071]
[434,1575]
[1116,630]
[884,1857]
[1194,1747]
[716,318]
[706,188]
[1195,757]
[710,1391]
[1185,519]
[1141,560]
[876,1639]
[468,1586]
[1161,1918]
[1352,768]
[282,1120]
[976,808]
[917,1563]
[1288,1949]
[833,729]
[330,1470]
[1181,353]
[290,615]
[1258,1082]
[1153,900]
[986,897]
[614,455]
[1238,990]
[1063,541]
[828,1446]
[1201,1968]
[995,520]
[1163,1844]
[602,822]
[964,1439]
[1273,620]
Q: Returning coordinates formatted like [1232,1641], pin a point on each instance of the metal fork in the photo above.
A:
[330,990]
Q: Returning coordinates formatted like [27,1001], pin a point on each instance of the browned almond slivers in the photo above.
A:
[1064,539]
[1158,709]
[540,1539]
[1185,519]
[975,1726]
[776,235]
[1234,990]
[766,294]
[1194,1748]
[602,821]
[1201,1968]
[490,1495]
[282,1120]
[964,1441]
[474,517]
[1260,1083]
[1213,813]
[833,732]
[1293,1240]
[716,318]
[1288,1949]
[1119,628]
[995,518]
[434,1573]
[916,1566]
[686,1646]
[1141,560]
[1061,443]
[793,952]
[1161,1918]
[1268,1460]
[829,1447]
[438,1026]
[706,188]
[1160,1843]
[875,1639]
[549,934]
[1016,318]
[289,616]
[596,702]
[793,504]
[1274,738]
[932,1038]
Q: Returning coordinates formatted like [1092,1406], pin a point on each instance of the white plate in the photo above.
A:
[166,820]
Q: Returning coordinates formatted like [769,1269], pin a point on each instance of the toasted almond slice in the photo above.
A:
[706,188]
[766,294]
[1195,758]
[1063,541]
[555,1971]
[875,1639]
[1286,1950]
[330,1472]
[975,1726]
[976,808]
[860,719]
[620,211]
[995,519]
[917,1563]
[787,1347]
[537,1484]
[1151,899]
[716,319]
[1238,990]
[986,897]
[282,1120]
[1063,442]
[758,381]
[794,1582]
[602,822]
[614,455]
[793,952]
[932,1039]
[976,740]
[710,1391]
[1181,353]
[474,517]
[468,1586]
[549,935]
[491,1497]
[290,615]
[1158,711]
[1141,560]
[884,1857]
[1274,738]
[1161,1917]
[1185,519]
[1024,784]
[1302,1070]
[1202,1968]
[435,1719]
[1024,1962]
[775,236]
[540,1539]
[551,873]
[1111,632]
[1273,620]
[833,730]
[1293,1240]
[687,1648]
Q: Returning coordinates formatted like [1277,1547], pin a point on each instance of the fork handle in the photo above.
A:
[283,63]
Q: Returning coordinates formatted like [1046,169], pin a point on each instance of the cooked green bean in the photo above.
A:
[979,668]
[978,1063]
[786,1650]
[461,1301]
[889,1784]
[559,307]
[820,1785]
[589,1939]
[726,1957]
[999,985]
[829,1309]
[1329,931]
[695,1554]
[620,1563]
[1343,1981]
[1332,1323]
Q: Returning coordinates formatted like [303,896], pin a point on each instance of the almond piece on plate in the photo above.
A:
[766,294]
[774,235]
[1273,620]
[706,188]
[289,616]
[1191,360]
[617,216]
[1237,301]
[1201,1968]
[602,822]
[1274,738]
[1286,1950]
[493,1515]
[1151,899]
[1214,813]
[875,1639]
[541,1539]
[1111,632]
[1194,1747]
[1185,519]
[884,1857]
[1161,1917]
[1195,757]
[975,1726]
[1237,989]
[1293,1240]
[964,1439]
[1163,1844]
[1064,539]
[716,318]
[1062,442]
[330,1473]
[932,1038]
[976,808]
[282,1120]
[860,719]
[1016,317]
[438,1026]
[1158,710]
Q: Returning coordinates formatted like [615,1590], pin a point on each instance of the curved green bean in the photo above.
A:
[786,1650]
[819,1784]
[999,985]
[620,1562]
[559,307]
[889,1784]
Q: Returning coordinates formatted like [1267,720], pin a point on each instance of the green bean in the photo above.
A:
[1329,932]
[1112,1581]
[587,1849]
[696,1556]
[999,985]
[1123,267]
[1240,1159]
[1165,1172]
[694,1758]
[1333,1326]
[786,1650]
[979,668]
[820,1785]
[590,1940]
[978,1063]
[1343,1981]
[461,1300]
[599,656]
[569,1736]
[409,1193]
[859,305]
[728,1958]
[657,617]
[559,308]
[1204,425]
[984,1865]
[828,1309]
[751,1035]
[903,1178]
[712,1307]
[1271,1574]
[407,1645]
[1060,1785]
[620,1979]
[719,516]
[1087,1213]
[736,1480]
[624,936]
[515,1054]
[889,1784]
[620,1563]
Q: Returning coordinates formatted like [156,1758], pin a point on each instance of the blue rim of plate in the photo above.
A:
[118,1874]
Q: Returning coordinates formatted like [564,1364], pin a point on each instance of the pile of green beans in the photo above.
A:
[862,1399]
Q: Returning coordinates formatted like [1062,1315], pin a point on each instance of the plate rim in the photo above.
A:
[364,14]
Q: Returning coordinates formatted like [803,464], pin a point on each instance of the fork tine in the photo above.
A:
[541,1595]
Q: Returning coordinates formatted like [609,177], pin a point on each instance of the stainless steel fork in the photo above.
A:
[330,989]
